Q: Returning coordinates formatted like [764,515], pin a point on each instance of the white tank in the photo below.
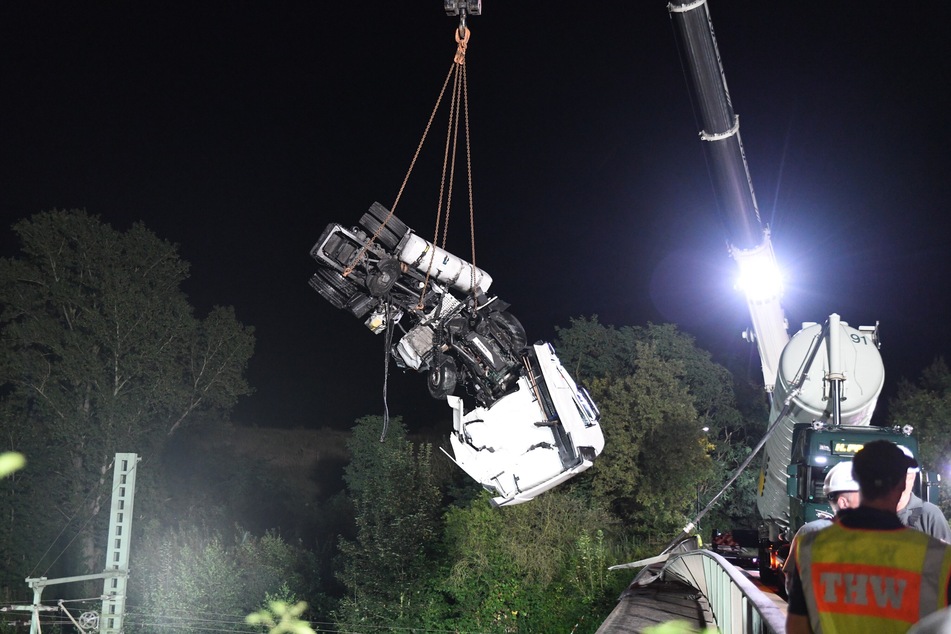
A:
[861,366]
[446,267]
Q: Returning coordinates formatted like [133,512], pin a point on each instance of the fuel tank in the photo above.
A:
[424,256]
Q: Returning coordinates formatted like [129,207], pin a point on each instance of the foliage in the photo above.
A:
[271,566]
[11,461]
[100,352]
[657,393]
[187,576]
[926,406]
[396,506]
[590,566]
[590,350]
[190,576]
[280,617]
[650,378]
[534,567]
[655,452]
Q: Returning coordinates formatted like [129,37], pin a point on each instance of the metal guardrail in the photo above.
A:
[698,587]
[737,605]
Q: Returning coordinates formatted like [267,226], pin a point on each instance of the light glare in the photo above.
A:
[760,280]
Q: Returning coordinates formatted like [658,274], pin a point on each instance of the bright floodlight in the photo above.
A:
[760,278]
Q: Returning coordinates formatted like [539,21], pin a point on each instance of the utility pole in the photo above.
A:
[116,573]
[117,548]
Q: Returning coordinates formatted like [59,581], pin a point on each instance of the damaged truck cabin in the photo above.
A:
[521,425]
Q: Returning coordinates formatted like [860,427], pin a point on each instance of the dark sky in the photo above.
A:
[240,129]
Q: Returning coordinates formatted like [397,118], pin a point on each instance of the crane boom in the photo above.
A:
[823,382]
[721,125]
[749,241]
[825,379]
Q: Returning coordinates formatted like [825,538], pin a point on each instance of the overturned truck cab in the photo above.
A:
[521,425]
[534,438]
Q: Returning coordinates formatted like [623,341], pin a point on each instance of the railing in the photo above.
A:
[737,604]
[724,597]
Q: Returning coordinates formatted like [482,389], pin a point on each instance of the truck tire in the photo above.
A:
[511,330]
[328,291]
[380,281]
[391,234]
[443,377]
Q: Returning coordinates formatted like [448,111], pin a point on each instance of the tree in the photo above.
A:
[388,567]
[100,352]
[926,406]
[190,579]
[657,393]
[534,567]
[655,451]
[590,350]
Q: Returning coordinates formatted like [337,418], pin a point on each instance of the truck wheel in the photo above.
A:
[380,282]
[511,329]
[345,285]
[391,234]
[327,291]
[443,377]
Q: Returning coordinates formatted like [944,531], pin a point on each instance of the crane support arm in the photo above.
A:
[749,241]
[721,126]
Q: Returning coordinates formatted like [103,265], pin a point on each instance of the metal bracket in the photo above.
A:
[463,7]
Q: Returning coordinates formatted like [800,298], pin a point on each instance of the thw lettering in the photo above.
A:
[850,588]
[867,590]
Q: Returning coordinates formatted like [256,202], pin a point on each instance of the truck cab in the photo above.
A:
[815,449]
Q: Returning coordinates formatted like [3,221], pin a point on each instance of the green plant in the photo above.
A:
[11,461]
[281,618]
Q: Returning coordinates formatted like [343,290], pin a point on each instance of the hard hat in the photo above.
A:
[839,479]
[905,450]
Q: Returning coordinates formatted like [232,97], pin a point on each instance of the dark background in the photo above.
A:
[240,129]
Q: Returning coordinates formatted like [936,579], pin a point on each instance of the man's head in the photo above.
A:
[880,468]
[841,488]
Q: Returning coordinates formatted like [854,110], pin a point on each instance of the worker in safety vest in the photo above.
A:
[842,492]
[868,572]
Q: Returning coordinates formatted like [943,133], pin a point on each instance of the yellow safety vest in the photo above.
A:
[864,581]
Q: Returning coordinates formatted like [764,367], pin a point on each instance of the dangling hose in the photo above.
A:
[387,346]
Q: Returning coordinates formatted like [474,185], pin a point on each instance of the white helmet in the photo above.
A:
[839,479]
[905,450]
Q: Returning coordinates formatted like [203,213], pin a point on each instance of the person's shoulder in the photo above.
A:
[935,545]
[813,526]
[869,518]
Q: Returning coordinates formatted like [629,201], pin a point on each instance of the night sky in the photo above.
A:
[238,130]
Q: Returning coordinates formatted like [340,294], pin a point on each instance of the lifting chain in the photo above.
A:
[458,101]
